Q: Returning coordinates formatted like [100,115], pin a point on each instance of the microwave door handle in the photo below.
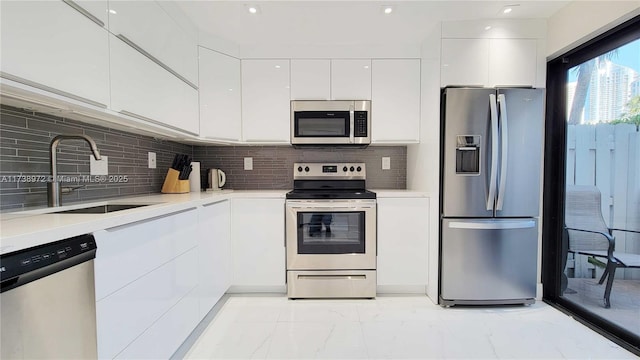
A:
[351,124]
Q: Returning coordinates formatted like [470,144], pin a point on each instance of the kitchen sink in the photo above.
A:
[102,209]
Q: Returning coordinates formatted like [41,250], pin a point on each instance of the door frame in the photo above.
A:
[554,179]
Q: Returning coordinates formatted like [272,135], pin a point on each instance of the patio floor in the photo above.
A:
[625,300]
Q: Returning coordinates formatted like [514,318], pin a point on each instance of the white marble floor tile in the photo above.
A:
[319,311]
[395,328]
[299,340]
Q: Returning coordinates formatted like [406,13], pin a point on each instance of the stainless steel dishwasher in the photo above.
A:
[47,301]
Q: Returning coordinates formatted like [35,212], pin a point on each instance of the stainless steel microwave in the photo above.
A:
[331,122]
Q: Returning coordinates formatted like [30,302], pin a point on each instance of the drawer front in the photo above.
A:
[125,315]
[331,284]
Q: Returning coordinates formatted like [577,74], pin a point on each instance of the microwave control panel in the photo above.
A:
[360,124]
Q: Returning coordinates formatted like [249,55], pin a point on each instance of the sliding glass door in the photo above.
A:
[591,237]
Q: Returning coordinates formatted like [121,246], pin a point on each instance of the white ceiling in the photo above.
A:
[317,23]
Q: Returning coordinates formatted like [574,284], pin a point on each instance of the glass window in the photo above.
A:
[602,201]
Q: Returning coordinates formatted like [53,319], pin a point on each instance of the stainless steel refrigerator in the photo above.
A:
[490,194]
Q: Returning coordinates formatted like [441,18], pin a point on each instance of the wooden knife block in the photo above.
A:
[172,185]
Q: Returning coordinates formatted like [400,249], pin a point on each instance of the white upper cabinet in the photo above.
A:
[146,25]
[220,96]
[310,79]
[351,79]
[489,62]
[465,62]
[395,100]
[142,88]
[512,62]
[52,46]
[265,101]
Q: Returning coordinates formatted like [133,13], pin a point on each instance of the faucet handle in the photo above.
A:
[69,189]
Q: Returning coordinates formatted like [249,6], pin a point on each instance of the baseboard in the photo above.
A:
[244,289]
[402,289]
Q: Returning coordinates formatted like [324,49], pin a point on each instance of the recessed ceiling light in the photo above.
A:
[253,9]
[509,8]
[277,66]
[387,9]
[488,27]
[111,11]
[366,66]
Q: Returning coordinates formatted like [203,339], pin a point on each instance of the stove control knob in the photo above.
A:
[299,168]
[351,168]
[359,168]
[345,169]
[306,168]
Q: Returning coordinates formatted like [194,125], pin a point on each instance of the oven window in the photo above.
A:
[318,124]
[331,232]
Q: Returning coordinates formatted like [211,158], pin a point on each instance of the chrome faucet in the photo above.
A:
[54,192]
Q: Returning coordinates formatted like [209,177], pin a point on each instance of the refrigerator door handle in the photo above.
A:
[494,151]
[493,225]
[504,138]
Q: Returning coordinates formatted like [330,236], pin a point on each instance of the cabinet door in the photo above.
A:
[143,88]
[512,62]
[465,62]
[128,252]
[351,79]
[147,25]
[220,94]
[129,312]
[395,96]
[54,46]
[403,234]
[258,244]
[265,101]
[310,79]
[214,254]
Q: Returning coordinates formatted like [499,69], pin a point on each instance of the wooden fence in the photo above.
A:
[608,156]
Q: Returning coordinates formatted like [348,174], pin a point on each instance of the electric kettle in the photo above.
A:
[217,179]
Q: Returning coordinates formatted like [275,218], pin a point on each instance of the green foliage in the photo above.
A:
[632,116]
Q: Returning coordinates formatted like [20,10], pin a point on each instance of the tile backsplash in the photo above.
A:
[24,161]
[24,151]
[273,165]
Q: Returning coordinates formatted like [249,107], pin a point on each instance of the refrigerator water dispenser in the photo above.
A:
[468,155]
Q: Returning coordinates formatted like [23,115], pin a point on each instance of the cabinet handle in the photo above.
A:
[50,89]
[84,12]
[124,226]
[155,60]
[144,118]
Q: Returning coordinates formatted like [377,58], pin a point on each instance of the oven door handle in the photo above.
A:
[331,207]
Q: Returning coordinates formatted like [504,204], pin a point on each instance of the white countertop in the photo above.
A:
[392,193]
[25,229]
[38,226]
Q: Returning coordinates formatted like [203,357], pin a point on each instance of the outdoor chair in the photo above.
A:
[589,235]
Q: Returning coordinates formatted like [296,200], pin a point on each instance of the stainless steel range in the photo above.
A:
[330,232]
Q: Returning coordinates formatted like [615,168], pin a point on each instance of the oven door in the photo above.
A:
[331,234]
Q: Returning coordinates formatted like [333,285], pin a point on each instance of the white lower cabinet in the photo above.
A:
[144,273]
[214,254]
[258,244]
[403,233]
